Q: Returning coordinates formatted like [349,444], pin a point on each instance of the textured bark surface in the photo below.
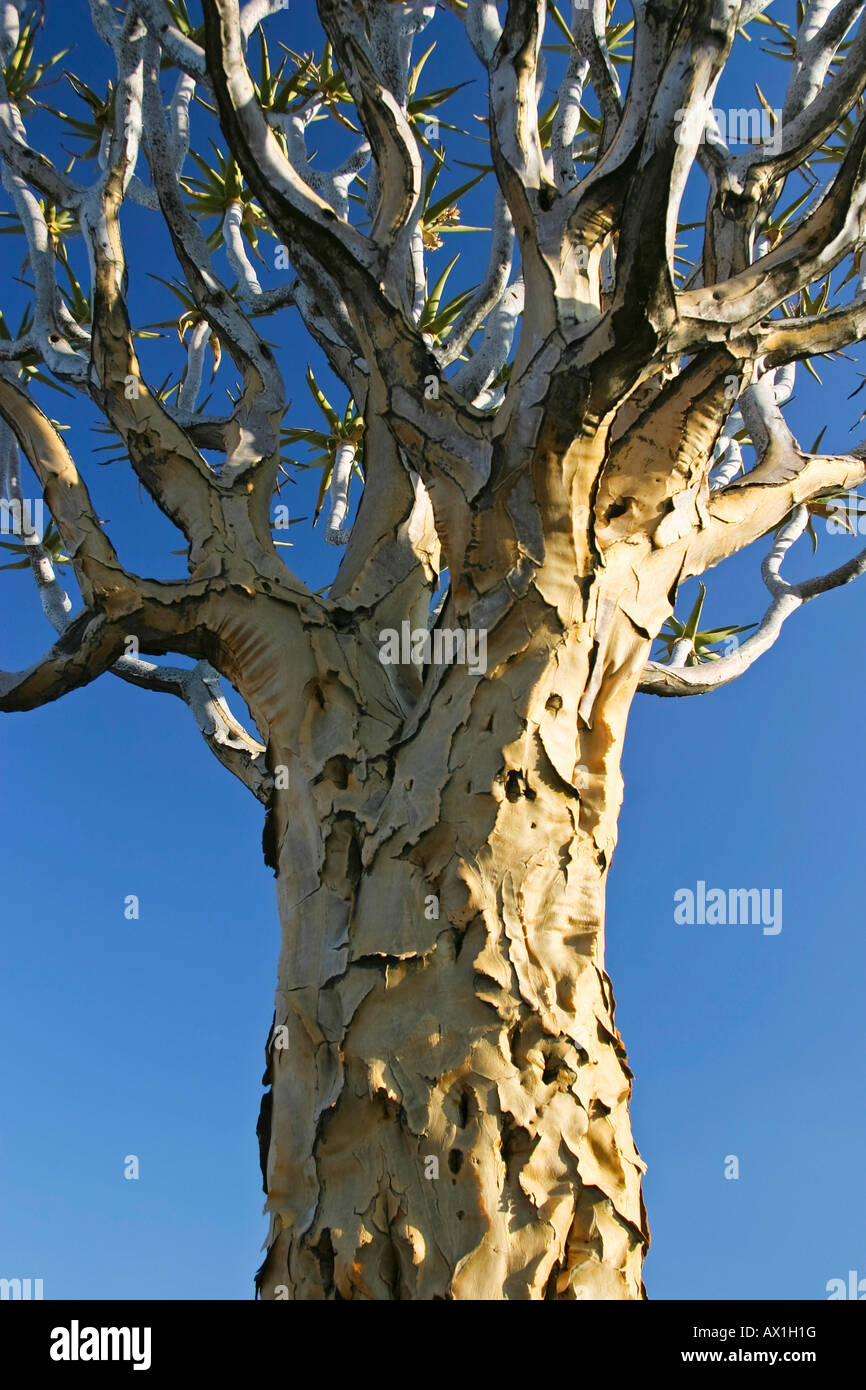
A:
[447,1104]
[441,980]
[443,986]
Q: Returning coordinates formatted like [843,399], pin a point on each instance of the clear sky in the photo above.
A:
[147,1037]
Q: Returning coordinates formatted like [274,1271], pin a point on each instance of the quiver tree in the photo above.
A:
[547,457]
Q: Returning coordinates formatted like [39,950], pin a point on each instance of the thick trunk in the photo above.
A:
[448,1114]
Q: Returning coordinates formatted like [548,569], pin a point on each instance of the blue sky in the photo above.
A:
[147,1037]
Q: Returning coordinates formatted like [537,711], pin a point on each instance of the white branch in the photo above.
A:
[567,119]
[237,253]
[336,533]
[254,11]
[484,28]
[490,290]
[10,16]
[56,604]
[177,46]
[671,680]
[824,27]
[195,357]
[46,333]
[476,374]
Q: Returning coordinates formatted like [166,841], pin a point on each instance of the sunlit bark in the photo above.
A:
[446,1112]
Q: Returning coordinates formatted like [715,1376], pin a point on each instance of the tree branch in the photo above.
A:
[97,567]
[177,47]
[199,688]
[752,506]
[387,130]
[86,648]
[515,141]
[678,680]
[299,214]
[644,287]
[819,242]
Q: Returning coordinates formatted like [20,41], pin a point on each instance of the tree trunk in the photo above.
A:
[448,1114]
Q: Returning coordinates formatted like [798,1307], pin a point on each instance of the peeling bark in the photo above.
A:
[447,1106]
[443,986]
[441,992]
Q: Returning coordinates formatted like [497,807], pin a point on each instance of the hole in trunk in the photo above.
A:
[336,770]
[324,1253]
[617,508]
